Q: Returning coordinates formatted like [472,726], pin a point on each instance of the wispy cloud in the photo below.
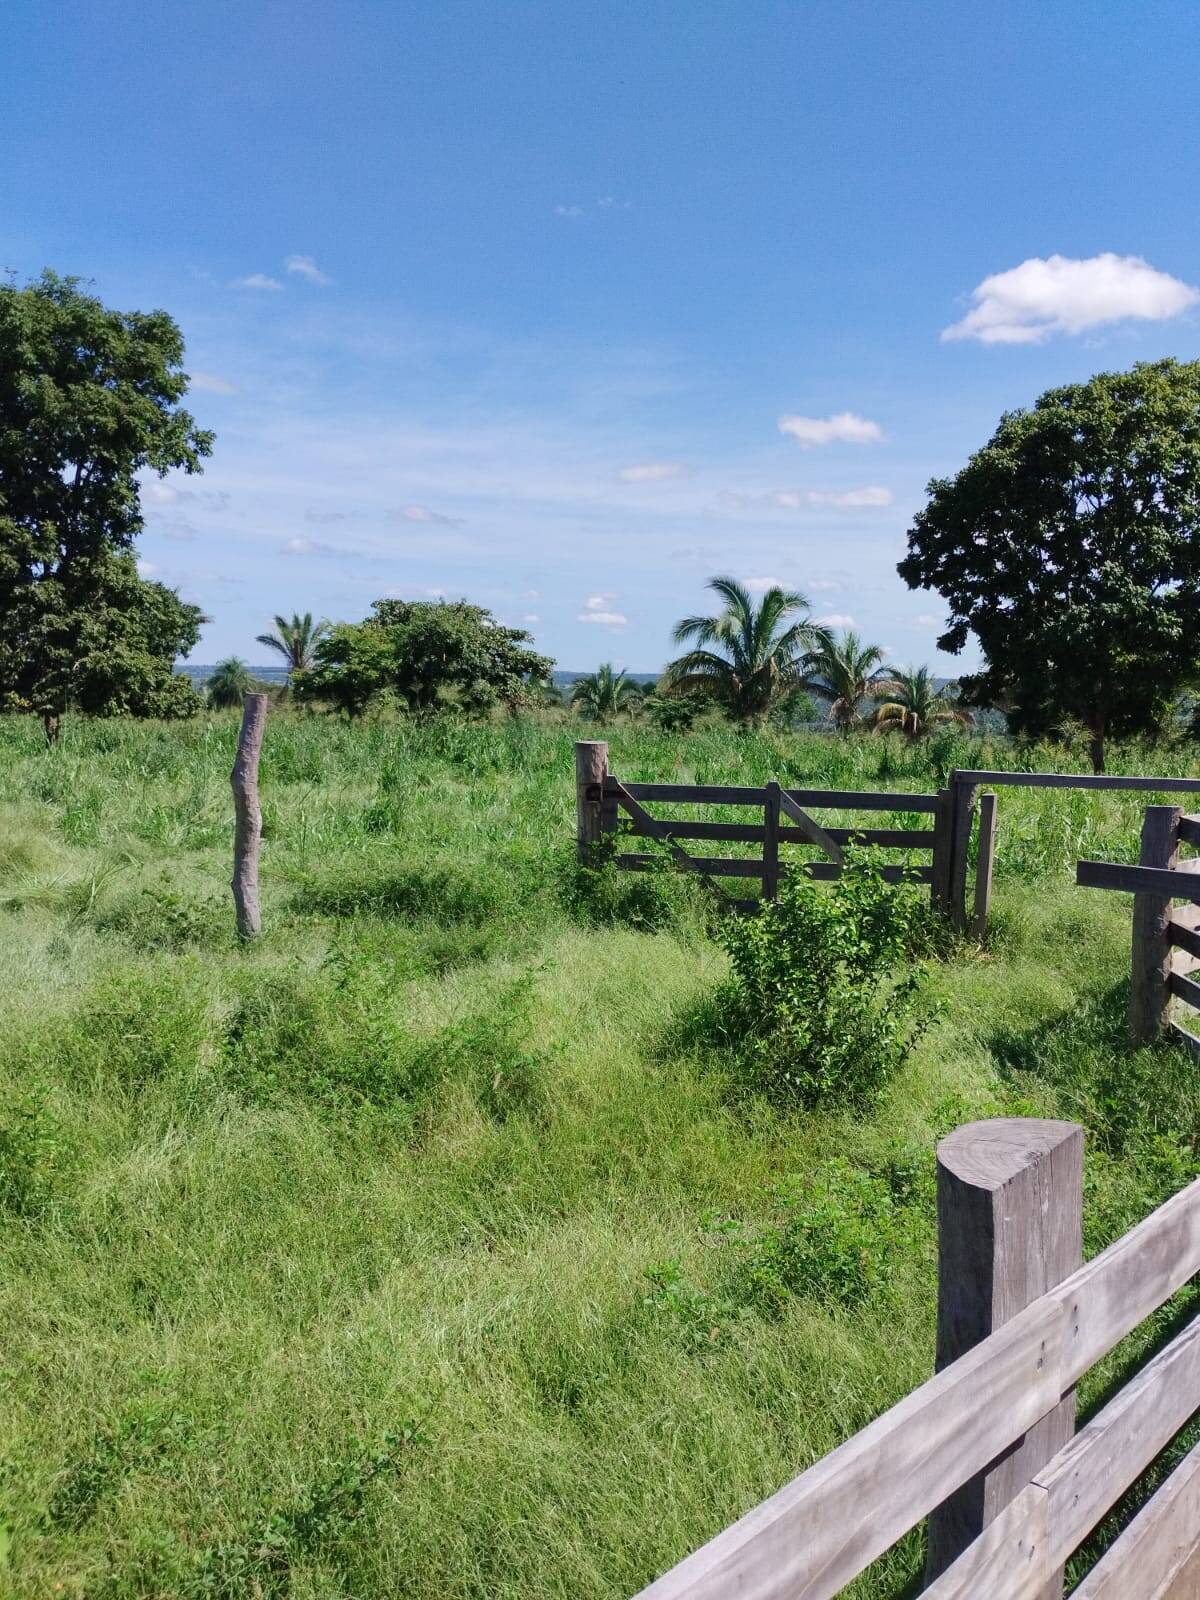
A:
[852,499]
[864,499]
[305,267]
[1028,303]
[418,513]
[256,280]
[761,585]
[598,608]
[211,383]
[568,211]
[652,472]
[308,547]
[835,619]
[926,620]
[846,427]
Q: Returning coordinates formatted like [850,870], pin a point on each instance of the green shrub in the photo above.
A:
[599,892]
[817,1005]
[30,1152]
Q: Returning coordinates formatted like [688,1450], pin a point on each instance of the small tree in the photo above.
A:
[89,398]
[914,706]
[425,653]
[846,672]
[230,680]
[1070,546]
[296,640]
[747,656]
[603,693]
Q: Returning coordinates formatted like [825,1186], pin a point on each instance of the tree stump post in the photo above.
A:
[247,830]
[1150,968]
[591,769]
[1010,1227]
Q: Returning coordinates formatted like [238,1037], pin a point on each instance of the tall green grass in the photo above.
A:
[408,1251]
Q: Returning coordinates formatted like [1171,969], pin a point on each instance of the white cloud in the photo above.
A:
[256,280]
[159,493]
[1062,295]
[212,383]
[823,585]
[531,616]
[844,428]
[852,499]
[305,267]
[568,211]
[761,585]
[609,619]
[418,513]
[307,547]
[652,472]
[835,619]
[597,602]
[925,620]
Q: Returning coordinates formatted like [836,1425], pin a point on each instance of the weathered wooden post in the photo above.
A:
[1150,970]
[1010,1227]
[963,792]
[247,832]
[770,883]
[591,769]
[983,865]
[943,844]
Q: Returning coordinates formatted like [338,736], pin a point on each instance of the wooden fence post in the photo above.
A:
[1150,969]
[1010,1227]
[983,866]
[591,769]
[963,791]
[247,829]
[770,855]
[943,823]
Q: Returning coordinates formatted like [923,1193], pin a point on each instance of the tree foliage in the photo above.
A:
[847,672]
[296,640]
[603,693]
[1070,546]
[424,654]
[748,656]
[230,680]
[89,398]
[914,705]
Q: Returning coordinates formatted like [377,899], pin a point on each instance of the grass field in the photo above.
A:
[408,1252]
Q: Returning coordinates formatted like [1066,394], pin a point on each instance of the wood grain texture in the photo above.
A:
[963,793]
[1188,1041]
[1150,956]
[1082,780]
[247,826]
[1010,1227]
[812,830]
[983,866]
[1159,1552]
[591,769]
[1183,988]
[1137,880]
[1181,936]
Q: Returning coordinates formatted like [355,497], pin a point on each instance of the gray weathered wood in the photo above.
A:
[1150,961]
[1084,780]
[755,832]
[943,843]
[770,855]
[711,866]
[1184,988]
[247,826]
[812,831]
[1185,1584]
[810,1538]
[1137,880]
[1188,1041]
[1182,937]
[735,795]
[1029,1542]
[1189,829]
[591,769]
[1010,1227]
[983,866]
[654,829]
[1145,1561]
[963,793]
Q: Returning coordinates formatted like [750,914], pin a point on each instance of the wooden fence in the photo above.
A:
[1166,935]
[938,854]
[987,1448]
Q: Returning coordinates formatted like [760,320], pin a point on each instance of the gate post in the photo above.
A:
[591,769]
[943,824]
[963,809]
[1010,1227]
[770,887]
[983,866]
[1150,968]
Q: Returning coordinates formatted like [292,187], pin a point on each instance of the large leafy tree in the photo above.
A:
[603,693]
[913,705]
[425,654]
[89,398]
[296,640]
[1070,546]
[846,672]
[747,657]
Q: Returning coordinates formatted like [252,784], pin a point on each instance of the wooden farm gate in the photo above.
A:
[608,808]
[987,1448]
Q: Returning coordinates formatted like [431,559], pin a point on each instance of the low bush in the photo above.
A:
[30,1152]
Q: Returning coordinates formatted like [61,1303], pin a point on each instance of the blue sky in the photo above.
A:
[565,307]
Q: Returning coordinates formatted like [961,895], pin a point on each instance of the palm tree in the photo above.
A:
[747,655]
[230,680]
[602,693]
[296,640]
[845,672]
[914,707]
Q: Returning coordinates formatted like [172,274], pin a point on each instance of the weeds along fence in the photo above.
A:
[987,1448]
[937,855]
[1166,934]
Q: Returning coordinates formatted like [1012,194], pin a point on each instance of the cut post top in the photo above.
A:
[990,1154]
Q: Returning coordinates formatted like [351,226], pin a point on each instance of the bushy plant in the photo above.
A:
[818,1004]
[30,1152]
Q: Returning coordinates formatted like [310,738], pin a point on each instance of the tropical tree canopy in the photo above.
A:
[424,653]
[89,399]
[746,656]
[296,640]
[229,681]
[603,693]
[846,672]
[1070,546]
[913,705]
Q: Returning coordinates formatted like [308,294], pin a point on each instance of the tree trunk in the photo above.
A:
[50,723]
[1096,744]
[248,816]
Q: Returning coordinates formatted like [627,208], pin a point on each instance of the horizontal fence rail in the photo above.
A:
[819,1532]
